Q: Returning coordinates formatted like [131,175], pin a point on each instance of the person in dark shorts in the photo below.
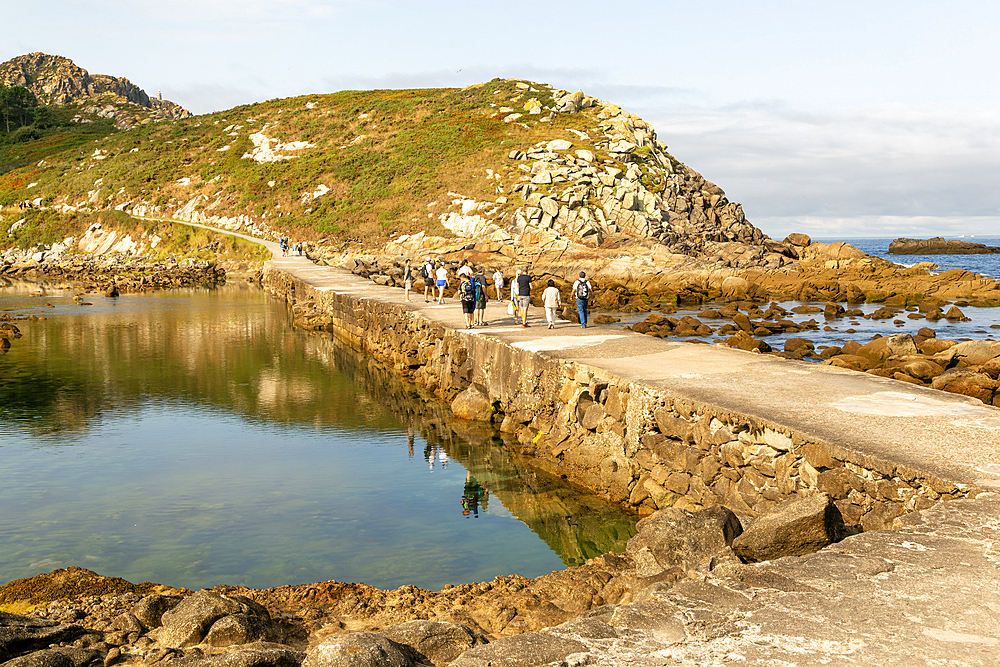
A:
[524,295]
[427,273]
[467,295]
[481,297]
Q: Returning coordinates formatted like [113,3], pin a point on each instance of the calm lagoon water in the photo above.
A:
[194,438]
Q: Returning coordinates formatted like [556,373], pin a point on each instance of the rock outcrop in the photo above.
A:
[58,80]
[939,246]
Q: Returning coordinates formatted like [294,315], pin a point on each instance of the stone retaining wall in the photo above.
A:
[633,443]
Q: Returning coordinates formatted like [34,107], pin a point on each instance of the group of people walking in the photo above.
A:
[473,292]
[296,249]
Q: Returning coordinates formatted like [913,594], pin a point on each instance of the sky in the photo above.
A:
[835,119]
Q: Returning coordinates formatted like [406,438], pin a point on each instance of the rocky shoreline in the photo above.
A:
[100,620]
[636,608]
[674,590]
[970,367]
[111,274]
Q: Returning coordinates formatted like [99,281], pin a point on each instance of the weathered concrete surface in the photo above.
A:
[924,594]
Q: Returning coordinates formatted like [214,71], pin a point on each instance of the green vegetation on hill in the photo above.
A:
[388,159]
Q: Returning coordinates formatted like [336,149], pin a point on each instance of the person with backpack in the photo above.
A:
[467,295]
[427,273]
[584,293]
[481,296]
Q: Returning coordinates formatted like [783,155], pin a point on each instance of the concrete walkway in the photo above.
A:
[949,436]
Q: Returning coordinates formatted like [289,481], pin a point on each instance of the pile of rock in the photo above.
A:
[741,331]
[638,191]
[970,368]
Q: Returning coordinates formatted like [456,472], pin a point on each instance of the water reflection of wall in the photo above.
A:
[233,349]
[575,523]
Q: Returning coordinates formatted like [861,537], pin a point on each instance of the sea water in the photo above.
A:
[193,438]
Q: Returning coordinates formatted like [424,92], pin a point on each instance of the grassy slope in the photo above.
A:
[418,145]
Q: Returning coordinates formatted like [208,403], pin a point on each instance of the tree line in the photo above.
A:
[19,109]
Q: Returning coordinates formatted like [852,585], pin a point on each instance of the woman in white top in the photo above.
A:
[442,281]
[498,283]
[552,300]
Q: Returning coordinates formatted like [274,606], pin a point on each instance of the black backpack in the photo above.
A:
[582,290]
[468,291]
[424,273]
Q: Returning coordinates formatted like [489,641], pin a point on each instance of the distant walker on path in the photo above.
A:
[584,293]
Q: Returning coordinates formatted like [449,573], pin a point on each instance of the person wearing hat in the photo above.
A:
[427,273]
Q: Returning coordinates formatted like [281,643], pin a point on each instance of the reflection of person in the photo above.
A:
[473,496]
[409,441]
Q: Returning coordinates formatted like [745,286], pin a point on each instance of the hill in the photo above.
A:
[490,162]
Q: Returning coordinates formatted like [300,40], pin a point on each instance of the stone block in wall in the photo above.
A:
[472,404]
[777,440]
[639,492]
[659,495]
[888,489]
[691,463]
[850,512]
[838,482]
[763,465]
[748,492]
[672,425]
[592,416]
[758,480]
[649,441]
[613,405]
[881,515]
[818,457]
[709,468]
[732,454]
[678,482]
[808,474]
